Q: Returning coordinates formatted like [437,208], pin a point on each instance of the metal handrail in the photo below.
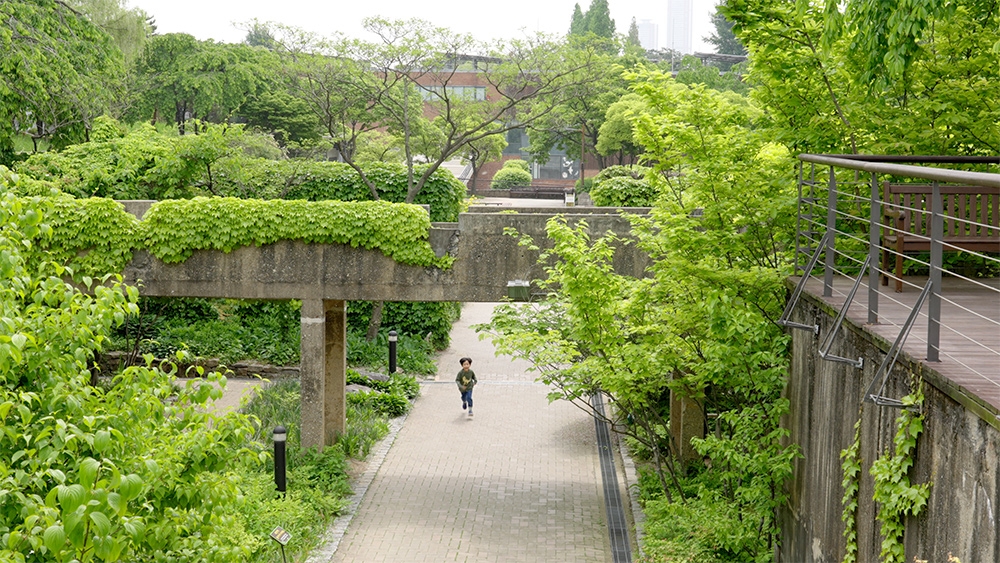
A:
[885,368]
[824,349]
[811,218]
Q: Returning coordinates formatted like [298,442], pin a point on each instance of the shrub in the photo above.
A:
[518,164]
[431,320]
[619,171]
[623,191]
[510,177]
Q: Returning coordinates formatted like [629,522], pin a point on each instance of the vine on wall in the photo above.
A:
[896,496]
[96,236]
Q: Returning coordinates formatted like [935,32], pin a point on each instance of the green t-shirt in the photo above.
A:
[466,379]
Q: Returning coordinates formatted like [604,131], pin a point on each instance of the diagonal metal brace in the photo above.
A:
[790,306]
[824,350]
[882,375]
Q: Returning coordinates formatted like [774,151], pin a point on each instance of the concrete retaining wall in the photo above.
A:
[958,452]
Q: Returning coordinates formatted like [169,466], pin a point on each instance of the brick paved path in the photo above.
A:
[518,483]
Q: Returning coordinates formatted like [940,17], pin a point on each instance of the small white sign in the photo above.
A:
[279,535]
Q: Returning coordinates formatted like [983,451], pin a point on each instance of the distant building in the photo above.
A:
[649,35]
[679,26]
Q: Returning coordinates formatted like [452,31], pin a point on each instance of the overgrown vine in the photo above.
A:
[851,466]
[896,496]
[96,236]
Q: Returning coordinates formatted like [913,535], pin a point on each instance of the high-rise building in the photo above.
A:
[649,35]
[679,26]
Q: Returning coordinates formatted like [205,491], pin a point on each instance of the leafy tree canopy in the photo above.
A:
[58,72]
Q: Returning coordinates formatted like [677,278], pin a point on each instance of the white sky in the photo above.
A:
[214,19]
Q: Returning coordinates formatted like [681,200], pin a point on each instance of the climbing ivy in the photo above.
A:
[851,466]
[92,236]
[896,496]
[172,230]
[97,236]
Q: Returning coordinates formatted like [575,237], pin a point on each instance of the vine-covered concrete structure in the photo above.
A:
[326,276]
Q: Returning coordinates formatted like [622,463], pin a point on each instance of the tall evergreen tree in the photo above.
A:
[578,25]
[724,39]
[598,19]
[633,34]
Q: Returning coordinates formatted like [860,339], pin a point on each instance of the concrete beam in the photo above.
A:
[485,260]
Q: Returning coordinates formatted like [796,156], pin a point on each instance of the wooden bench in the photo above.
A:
[541,192]
[971,221]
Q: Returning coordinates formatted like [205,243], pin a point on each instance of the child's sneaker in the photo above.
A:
[470,413]
[464,404]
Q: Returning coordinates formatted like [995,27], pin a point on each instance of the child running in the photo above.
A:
[466,380]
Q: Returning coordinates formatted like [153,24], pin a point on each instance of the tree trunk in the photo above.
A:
[375,322]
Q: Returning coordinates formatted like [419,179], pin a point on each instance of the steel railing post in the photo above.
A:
[875,216]
[831,227]
[937,255]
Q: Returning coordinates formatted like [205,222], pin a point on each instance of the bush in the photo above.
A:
[623,191]
[618,171]
[510,177]
[518,164]
[431,320]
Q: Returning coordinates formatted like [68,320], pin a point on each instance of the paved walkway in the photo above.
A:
[518,483]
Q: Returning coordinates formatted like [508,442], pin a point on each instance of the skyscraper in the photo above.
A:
[649,35]
[679,26]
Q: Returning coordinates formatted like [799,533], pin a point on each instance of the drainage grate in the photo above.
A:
[621,550]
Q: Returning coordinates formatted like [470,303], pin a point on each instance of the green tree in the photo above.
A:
[633,34]
[598,19]
[615,136]
[58,72]
[700,326]
[136,470]
[723,38]
[286,117]
[933,96]
[574,125]
[411,74]
[130,27]
[183,78]
[577,25]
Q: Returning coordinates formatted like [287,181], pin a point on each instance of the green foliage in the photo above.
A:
[700,326]
[173,229]
[851,467]
[179,78]
[331,180]
[517,163]
[897,498]
[623,191]
[413,353]
[881,78]
[391,405]
[428,320]
[615,134]
[59,71]
[139,470]
[510,177]
[92,237]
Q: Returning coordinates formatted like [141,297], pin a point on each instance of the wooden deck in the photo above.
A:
[969,347]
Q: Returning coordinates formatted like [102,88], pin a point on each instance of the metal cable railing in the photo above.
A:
[940,239]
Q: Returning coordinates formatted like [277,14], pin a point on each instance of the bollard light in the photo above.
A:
[392,352]
[280,436]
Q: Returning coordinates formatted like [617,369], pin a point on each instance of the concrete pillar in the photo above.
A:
[686,421]
[323,371]
[336,369]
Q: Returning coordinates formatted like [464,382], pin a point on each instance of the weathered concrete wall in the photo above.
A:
[486,259]
[958,452]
